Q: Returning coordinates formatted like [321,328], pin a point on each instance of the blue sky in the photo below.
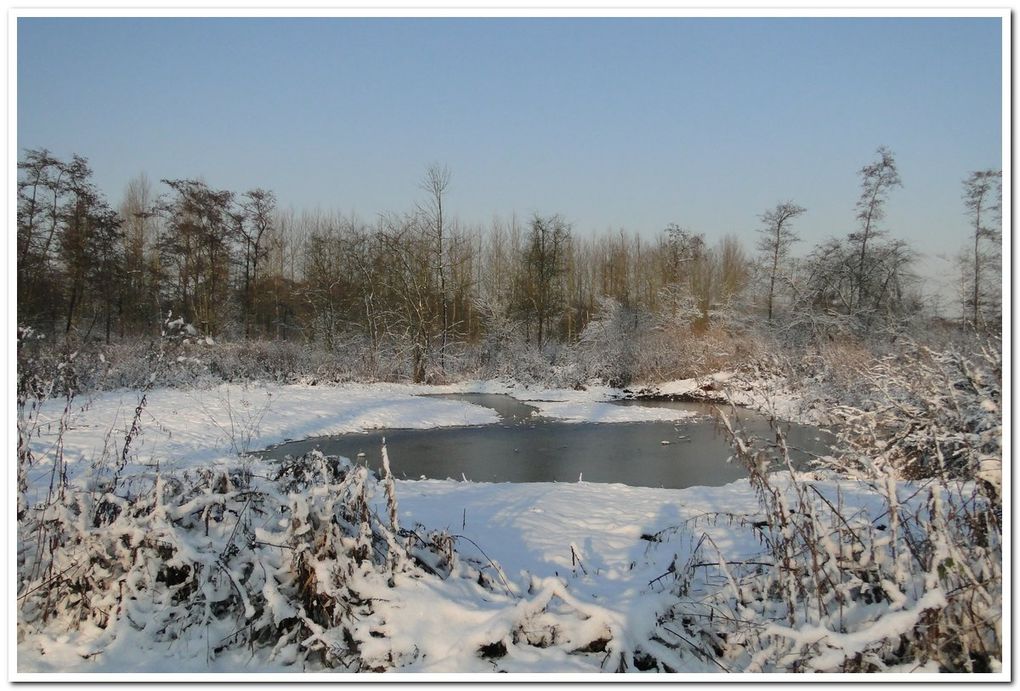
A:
[614,123]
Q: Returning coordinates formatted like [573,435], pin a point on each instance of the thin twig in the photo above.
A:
[499,571]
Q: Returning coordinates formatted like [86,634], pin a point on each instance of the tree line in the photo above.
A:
[421,283]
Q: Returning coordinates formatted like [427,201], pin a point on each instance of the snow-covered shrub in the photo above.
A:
[504,353]
[285,563]
[290,565]
[831,370]
[41,362]
[908,578]
[202,362]
[177,357]
[45,374]
[607,348]
[926,412]
[665,352]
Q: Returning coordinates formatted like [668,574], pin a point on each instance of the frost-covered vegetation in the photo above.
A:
[885,557]
[161,345]
[911,577]
[291,567]
[422,296]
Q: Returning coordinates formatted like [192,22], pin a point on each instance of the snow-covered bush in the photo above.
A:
[910,578]
[607,348]
[927,412]
[504,353]
[666,352]
[290,565]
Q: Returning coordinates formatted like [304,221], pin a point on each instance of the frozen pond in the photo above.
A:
[527,448]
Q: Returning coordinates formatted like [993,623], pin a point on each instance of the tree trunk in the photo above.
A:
[977,264]
[775,268]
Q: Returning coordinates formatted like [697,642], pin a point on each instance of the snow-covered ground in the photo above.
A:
[570,563]
[532,531]
[183,428]
[522,392]
[573,563]
[578,544]
[569,411]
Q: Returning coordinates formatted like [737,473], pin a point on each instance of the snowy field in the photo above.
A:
[572,556]
[184,428]
[550,577]
[582,541]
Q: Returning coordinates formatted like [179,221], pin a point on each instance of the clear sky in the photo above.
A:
[614,123]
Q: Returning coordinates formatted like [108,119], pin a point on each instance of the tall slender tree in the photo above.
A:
[982,196]
[39,190]
[877,179]
[777,238]
[255,223]
[76,239]
[139,299]
[544,262]
[196,244]
[435,184]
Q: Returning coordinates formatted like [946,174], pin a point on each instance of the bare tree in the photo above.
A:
[777,238]
[410,279]
[982,195]
[734,269]
[195,244]
[40,187]
[139,298]
[877,179]
[329,281]
[715,279]
[830,281]
[286,243]
[35,171]
[75,240]
[682,269]
[90,248]
[544,263]
[435,183]
[258,208]
[682,246]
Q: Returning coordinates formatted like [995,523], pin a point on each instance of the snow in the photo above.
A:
[576,558]
[771,396]
[189,427]
[570,547]
[566,564]
[608,412]
[694,385]
[594,392]
[531,531]
[529,527]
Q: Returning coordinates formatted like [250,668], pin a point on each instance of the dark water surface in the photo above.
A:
[527,448]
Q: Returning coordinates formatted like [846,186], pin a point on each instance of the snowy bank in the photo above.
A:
[556,570]
[240,572]
[188,427]
[608,412]
[771,396]
[594,392]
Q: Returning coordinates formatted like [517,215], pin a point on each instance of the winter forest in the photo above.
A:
[229,410]
[417,295]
